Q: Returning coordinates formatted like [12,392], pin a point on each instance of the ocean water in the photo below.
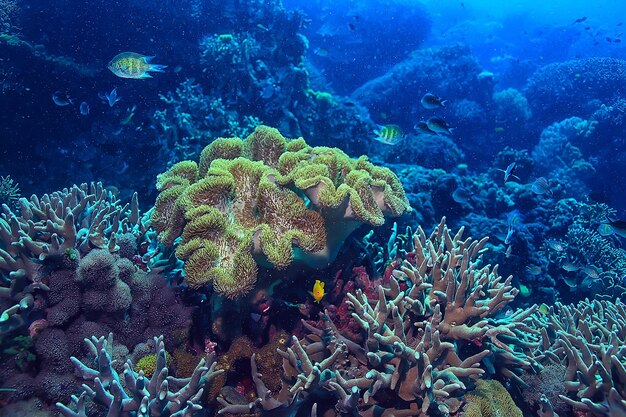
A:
[312,208]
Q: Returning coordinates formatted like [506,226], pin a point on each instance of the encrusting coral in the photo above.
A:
[269,201]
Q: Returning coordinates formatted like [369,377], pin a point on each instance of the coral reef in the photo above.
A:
[557,156]
[254,201]
[490,399]
[573,88]
[56,229]
[65,281]
[9,191]
[450,71]
[432,330]
[160,395]
[586,263]
[241,349]
[587,339]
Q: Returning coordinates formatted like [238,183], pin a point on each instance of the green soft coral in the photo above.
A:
[268,200]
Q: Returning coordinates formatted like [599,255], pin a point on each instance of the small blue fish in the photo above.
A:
[110,98]
[591,271]
[462,195]
[267,92]
[569,266]
[514,219]
[509,236]
[541,186]
[606,230]
[508,172]
[555,245]
[84,108]
[533,269]
[422,127]
[619,227]
[431,101]
[61,99]
[438,125]
[321,52]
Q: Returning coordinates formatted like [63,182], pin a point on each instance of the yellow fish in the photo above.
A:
[318,291]
[544,309]
[133,65]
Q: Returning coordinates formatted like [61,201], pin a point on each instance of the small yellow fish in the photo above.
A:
[318,291]
[389,134]
[544,309]
[133,65]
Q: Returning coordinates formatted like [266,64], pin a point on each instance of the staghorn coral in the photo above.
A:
[593,264]
[161,395]
[53,230]
[9,191]
[428,335]
[588,339]
[266,200]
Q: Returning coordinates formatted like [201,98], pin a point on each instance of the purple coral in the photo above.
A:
[98,270]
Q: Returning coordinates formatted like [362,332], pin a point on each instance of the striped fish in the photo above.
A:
[133,65]
[389,134]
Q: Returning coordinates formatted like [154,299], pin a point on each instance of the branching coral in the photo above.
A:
[593,264]
[9,191]
[267,200]
[59,225]
[161,395]
[433,331]
[588,339]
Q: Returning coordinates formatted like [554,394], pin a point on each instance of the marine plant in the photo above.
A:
[270,201]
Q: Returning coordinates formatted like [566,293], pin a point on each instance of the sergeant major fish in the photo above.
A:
[389,134]
[133,65]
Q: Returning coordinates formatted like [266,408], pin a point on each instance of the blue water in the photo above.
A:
[526,144]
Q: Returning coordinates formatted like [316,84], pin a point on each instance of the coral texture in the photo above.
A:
[588,339]
[160,396]
[490,399]
[425,338]
[55,228]
[267,200]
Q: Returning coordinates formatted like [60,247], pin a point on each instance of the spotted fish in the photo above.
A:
[133,65]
